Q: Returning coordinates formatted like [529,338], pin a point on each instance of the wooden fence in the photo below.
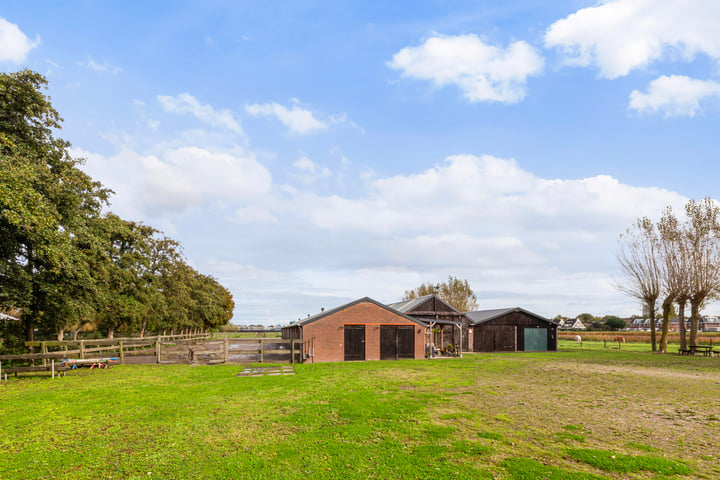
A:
[163,349]
[231,350]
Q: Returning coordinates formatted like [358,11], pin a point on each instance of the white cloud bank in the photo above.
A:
[621,35]
[14,44]
[674,95]
[186,103]
[482,72]
[177,180]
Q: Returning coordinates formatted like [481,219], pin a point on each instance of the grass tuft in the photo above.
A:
[613,462]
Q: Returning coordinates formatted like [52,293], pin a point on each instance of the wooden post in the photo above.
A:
[157,348]
[122,354]
[292,351]
[43,350]
[82,349]
[227,351]
[53,368]
[261,351]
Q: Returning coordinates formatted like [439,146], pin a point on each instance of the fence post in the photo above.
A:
[227,352]
[82,349]
[122,354]
[292,352]
[261,351]
[157,348]
[43,350]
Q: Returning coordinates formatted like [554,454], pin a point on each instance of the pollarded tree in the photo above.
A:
[702,236]
[455,292]
[673,269]
[639,256]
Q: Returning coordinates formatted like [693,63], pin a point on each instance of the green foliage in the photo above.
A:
[454,291]
[63,264]
[614,323]
[614,462]
[527,469]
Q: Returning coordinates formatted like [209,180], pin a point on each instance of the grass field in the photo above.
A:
[587,413]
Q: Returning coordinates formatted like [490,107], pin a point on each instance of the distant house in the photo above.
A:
[572,324]
[361,330]
[511,330]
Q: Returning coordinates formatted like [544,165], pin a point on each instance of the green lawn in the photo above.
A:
[585,413]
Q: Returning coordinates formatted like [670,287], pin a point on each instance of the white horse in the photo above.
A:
[578,340]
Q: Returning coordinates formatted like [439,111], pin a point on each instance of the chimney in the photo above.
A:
[322,309]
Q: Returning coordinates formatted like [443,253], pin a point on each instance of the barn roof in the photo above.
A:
[326,313]
[483,316]
[408,306]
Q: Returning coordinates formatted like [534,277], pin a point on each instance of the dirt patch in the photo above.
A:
[266,371]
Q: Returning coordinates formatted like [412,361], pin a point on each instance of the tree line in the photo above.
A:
[675,261]
[65,265]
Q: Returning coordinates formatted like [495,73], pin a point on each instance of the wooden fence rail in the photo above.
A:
[171,349]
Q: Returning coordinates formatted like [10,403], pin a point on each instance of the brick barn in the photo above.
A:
[361,330]
[511,330]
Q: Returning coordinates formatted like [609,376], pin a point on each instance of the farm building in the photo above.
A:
[572,324]
[511,330]
[447,328]
[361,330]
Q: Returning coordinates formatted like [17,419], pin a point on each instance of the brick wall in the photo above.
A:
[329,332]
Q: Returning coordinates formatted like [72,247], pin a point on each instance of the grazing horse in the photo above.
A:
[619,339]
[578,340]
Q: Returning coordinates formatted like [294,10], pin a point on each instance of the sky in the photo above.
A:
[309,153]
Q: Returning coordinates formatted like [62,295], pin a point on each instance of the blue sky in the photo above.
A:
[311,153]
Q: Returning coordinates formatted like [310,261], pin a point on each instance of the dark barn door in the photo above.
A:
[397,342]
[406,342]
[505,339]
[354,342]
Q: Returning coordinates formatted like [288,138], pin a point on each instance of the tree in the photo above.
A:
[455,292]
[672,266]
[638,255]
[702,234]
[45,200]
[614,323]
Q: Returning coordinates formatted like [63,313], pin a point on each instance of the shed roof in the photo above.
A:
[483,316]
[407,306]
[326,313]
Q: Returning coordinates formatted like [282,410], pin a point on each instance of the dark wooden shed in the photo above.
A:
[512,330]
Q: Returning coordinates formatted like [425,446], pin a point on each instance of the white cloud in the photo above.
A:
[309,171]
[618,36]
[91,64]
[177,180]
[481,71]
[488,198]
[186,103]
[674,95]
[297,119]
[14,44]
